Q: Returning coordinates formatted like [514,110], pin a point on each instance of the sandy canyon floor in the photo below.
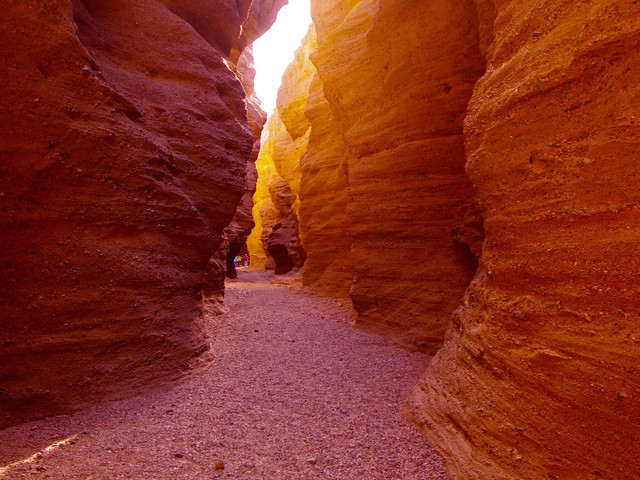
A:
[295,393]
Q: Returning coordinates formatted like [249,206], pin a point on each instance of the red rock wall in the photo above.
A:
[237,232]
[539,376]
[398,77]
[123,158]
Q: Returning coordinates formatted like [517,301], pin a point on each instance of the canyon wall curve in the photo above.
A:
[466,172]
[469,178]
[538,377]
[123,161]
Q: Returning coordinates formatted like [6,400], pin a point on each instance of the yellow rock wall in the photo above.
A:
[264,211]
[285,141]
[398,77]
[303,144]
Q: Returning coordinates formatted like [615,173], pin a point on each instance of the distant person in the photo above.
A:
[245,260]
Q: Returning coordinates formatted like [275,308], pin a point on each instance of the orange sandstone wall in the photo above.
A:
[398,77]
[123,157]
[324,194]
[303,144]
[506,133]
[539,375]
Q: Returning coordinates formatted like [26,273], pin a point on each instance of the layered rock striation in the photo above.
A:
[398,78]
[477,163]
[538,377]
[123,159]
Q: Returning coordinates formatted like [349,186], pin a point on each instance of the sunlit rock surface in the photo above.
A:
[124,149]
[275,242]
[277,199]
[539,376]
[398,77]
[446,135]
[304,146]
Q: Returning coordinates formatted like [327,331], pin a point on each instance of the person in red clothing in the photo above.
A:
[245,259]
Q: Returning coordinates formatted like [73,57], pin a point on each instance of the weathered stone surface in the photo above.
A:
[123,158]
[324,201]
[539,376]
[277,199]
[240,227]
[398,76]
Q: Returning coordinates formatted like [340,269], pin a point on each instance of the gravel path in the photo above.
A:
[295,393]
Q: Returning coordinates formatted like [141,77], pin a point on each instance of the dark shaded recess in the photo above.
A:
[237,247]
[468,236]
[280,255]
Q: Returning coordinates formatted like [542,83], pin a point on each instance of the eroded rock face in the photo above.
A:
[509,139]
[539,376]
[277,198]
[324,208]
[240,227]
[123,159]
[398,77]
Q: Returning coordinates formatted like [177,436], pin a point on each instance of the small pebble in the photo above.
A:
[219,465]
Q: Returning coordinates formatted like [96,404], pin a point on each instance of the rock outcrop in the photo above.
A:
[398,77]
[539,375]
[123,159]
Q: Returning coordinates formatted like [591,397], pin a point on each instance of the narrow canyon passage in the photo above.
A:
[295,393]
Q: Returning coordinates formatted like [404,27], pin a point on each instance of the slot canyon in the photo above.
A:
[440,214]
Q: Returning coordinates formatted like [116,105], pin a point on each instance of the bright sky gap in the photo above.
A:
[274,51]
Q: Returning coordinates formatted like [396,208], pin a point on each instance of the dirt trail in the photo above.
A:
[295,393]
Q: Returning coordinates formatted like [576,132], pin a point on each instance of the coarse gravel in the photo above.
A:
[295,392]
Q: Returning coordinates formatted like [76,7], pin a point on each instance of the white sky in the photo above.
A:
[274,51]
